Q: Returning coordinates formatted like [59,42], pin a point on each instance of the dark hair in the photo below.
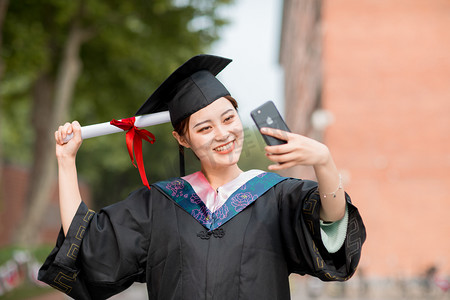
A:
[182,127]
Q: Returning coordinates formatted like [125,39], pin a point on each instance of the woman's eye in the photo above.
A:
[204,128]
[229,118]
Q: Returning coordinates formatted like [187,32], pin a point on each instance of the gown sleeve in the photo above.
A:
[333,234]
[301,231]
[103,253]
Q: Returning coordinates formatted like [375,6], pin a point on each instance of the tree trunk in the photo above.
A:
[47,115]
[3,10]
[301,58]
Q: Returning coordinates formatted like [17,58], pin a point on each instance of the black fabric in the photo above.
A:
[149,238]
[189,88]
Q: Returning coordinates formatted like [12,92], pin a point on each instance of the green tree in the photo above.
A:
[89,60]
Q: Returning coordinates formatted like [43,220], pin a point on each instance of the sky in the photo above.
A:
[252,40]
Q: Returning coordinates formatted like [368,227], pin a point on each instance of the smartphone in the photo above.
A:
[267,115]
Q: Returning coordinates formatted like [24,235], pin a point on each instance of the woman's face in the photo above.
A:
[215,134]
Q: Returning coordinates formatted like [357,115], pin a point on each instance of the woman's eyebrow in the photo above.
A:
[200,123]
[225,112]
[206,121]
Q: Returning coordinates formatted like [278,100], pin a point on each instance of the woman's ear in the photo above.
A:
[181,140]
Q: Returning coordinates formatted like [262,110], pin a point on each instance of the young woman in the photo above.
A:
[219,233]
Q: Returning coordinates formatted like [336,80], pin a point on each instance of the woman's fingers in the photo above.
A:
[76,129]
[67,129]
[277,133]
[68,148]
[280,149]
[299,150]
[76,126]
[57,137]
[289,137]
[282,158]
[59,134]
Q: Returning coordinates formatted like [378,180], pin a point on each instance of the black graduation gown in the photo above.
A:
[155,237]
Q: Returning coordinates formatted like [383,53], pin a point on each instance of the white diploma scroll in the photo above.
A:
[100,129]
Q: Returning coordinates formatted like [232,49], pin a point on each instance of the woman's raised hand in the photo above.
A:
[299,150]
[68,149]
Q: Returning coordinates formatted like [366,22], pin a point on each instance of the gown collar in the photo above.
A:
[214,199]
[182,192]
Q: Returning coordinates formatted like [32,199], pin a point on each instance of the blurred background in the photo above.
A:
[369,78]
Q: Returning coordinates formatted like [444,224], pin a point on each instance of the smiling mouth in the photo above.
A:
[228,147]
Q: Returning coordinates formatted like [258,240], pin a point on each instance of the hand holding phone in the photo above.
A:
[267,115]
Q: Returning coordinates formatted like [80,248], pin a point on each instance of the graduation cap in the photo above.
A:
[188,89]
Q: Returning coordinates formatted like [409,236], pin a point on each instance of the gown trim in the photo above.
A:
[181,192]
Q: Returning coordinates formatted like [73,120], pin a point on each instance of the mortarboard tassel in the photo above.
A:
[182,166]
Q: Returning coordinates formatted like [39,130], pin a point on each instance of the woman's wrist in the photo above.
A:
[327,176]
[66,160]
[331,191]
[325,163]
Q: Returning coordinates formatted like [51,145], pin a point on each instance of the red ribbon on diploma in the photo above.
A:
[134,138]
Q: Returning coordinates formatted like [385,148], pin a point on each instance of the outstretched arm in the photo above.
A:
[301,150]
[69,192]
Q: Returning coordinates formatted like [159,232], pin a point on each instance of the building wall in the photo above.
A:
[386,82]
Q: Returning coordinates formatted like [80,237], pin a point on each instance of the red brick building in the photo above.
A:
[384,82]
